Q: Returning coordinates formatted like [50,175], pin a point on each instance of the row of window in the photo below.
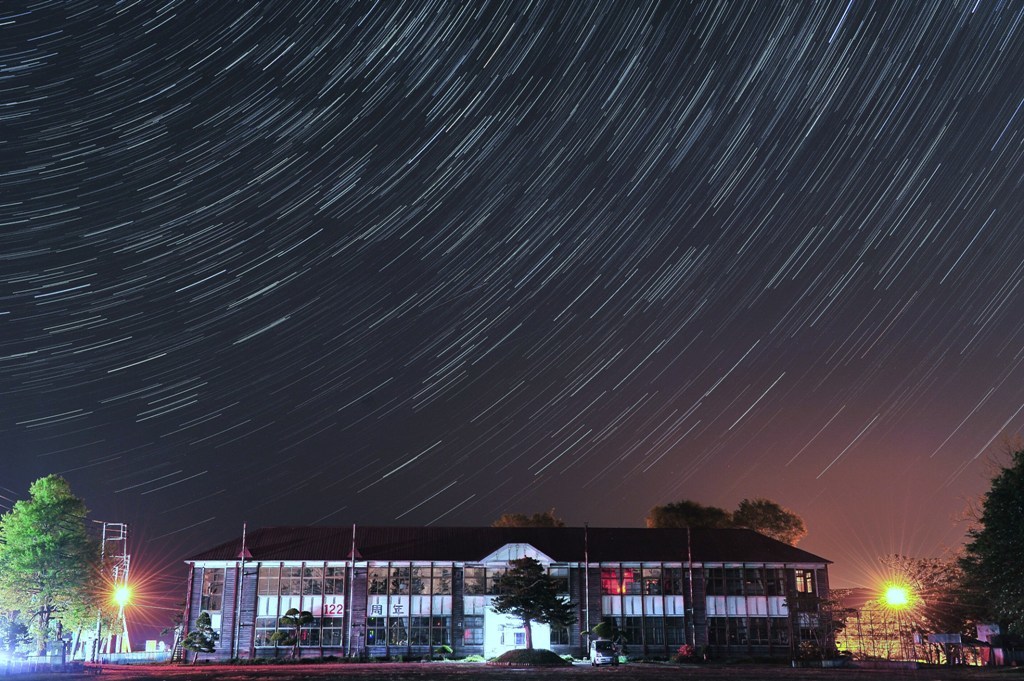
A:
[647,581]
[650,631]
[755,581]
[741,631]
[405,580]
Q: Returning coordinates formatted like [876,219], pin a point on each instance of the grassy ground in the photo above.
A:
[471,672]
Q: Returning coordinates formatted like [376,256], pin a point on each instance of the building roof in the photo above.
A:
[473,544]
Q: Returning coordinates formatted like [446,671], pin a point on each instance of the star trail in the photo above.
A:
[300,262]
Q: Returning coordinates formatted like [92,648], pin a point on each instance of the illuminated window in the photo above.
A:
[652,581]
[610,581]
[805,581]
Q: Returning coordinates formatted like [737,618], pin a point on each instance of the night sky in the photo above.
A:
[424,263]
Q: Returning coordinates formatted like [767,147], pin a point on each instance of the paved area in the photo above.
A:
[470,672]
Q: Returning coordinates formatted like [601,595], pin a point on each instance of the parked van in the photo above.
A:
[603,651]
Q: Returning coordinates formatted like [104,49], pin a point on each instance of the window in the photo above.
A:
[400,577]
[652,581]
[377,580]
[442,580]
[312,581]
[376,631]
[737,631]
[267,582]
[213,590]
[419,631]
[560,575]
[672,581]
[753,582]
[559,635]
[633,628]
[474,631]
[734,582]
[610,581]
[805,581]
[520,638]
[419,580]
[333,629]
[654,631]
[758,630]
[309,635]
[493,575]
[631,581]
[440,631]
[675,631]
[775,582]
[397,633]
[473,581]
[717,628]
[265,628]
[291,581]
[779,631]
[714,581]
[334,581]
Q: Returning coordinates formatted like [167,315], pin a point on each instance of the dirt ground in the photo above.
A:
[472,672]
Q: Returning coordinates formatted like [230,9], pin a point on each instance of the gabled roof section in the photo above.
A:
[510,552]
[480,544]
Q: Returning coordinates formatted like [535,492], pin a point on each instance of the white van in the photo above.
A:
[603,651]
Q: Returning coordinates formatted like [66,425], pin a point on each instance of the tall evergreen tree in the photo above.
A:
[528,592]
[992,557]
[48,564]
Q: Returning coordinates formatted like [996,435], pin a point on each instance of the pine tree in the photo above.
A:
[202,639]
[528,592]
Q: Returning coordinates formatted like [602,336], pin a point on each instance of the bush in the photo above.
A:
[531,658]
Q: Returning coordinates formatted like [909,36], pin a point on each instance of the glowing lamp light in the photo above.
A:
[896,596]
[122,595]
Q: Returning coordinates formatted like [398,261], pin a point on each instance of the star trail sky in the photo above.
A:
[301,262]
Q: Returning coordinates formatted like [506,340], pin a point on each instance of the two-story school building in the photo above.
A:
[404,591]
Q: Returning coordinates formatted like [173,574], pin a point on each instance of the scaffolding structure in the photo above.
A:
[117,561]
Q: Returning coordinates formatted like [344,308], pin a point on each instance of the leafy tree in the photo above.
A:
[202,639]
[688,513]
[528,592]
[13,632]
[291,629]
[761,515]
[545,519]
[936,586]
[48,563]
[770,519]
[992,557]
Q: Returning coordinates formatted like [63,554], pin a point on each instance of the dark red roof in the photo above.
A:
[471,544]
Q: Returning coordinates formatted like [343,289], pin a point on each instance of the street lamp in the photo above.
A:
[897,598]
